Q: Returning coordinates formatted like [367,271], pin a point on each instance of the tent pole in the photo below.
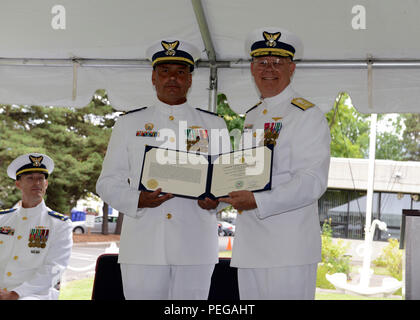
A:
[332,64]
[369,231]
[204,29]
[213,90]
[211,53]
[234,64]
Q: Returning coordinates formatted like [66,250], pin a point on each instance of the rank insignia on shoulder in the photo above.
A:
[209,112]
[8,210]
[132,111]
[254,106]
[302,103]
[58,215]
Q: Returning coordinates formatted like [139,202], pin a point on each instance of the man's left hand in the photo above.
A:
[208,204]
[241,200]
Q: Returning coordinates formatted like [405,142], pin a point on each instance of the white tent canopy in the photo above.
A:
[103,42]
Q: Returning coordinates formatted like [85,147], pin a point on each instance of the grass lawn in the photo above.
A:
[225,254]
[341,296]
[77,290]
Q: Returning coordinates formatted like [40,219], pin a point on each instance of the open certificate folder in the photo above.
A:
[197,176]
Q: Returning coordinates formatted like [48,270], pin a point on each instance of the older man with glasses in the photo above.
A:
[277,240]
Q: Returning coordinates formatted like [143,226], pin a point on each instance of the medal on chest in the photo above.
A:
[148,132]
[38,237]
[197,139]
[271,132]
[7,230]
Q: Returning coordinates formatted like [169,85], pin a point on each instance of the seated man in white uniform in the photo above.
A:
[35,241]
[277,241]
[169,245]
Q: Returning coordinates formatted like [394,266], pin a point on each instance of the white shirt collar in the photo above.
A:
[169,109]
[286,94]
[35,210]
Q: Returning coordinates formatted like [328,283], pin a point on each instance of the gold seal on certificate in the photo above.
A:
[248,169]
[196,176]
[152,184]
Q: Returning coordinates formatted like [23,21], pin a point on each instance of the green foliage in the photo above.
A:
[76,139]
[234,122]
[321,280]
[411,136]
[389,146]
[333,257]
[350,133]
[391,259]
[349,129]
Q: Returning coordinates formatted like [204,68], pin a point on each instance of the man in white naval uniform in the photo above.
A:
[277,242]
[35,241]
[169,245]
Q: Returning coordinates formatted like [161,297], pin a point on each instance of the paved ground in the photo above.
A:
[87,249]
[83,260]
[95,237]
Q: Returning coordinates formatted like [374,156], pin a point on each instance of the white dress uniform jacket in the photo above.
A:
[284,230]
[34,271]
[178,232]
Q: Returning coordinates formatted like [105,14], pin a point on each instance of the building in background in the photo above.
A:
[396,187]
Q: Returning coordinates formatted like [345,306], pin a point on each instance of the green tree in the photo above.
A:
[232,119]
[349,129]
[350,133]
[411,136]
[389,147]
[76,139]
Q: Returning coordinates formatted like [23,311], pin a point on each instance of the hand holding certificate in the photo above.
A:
[198,176]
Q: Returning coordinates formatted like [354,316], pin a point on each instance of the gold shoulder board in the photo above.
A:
[302,103]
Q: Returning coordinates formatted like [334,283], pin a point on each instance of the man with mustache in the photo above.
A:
[35,241]
[277,240]
[169,245]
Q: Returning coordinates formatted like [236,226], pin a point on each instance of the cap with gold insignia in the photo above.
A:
[31,162]
[173,51]
[272,41]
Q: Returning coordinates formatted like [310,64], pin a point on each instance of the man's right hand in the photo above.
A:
[152,199]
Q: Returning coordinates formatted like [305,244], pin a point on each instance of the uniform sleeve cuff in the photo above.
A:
[140,212]
[260,205]
[19,290]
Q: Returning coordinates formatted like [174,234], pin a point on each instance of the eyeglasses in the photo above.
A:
[277,63]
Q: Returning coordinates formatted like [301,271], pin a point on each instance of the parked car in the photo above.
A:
[79,227]
[226,228]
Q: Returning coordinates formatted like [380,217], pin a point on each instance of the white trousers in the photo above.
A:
[53,294]
[155,282]
[285,283]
